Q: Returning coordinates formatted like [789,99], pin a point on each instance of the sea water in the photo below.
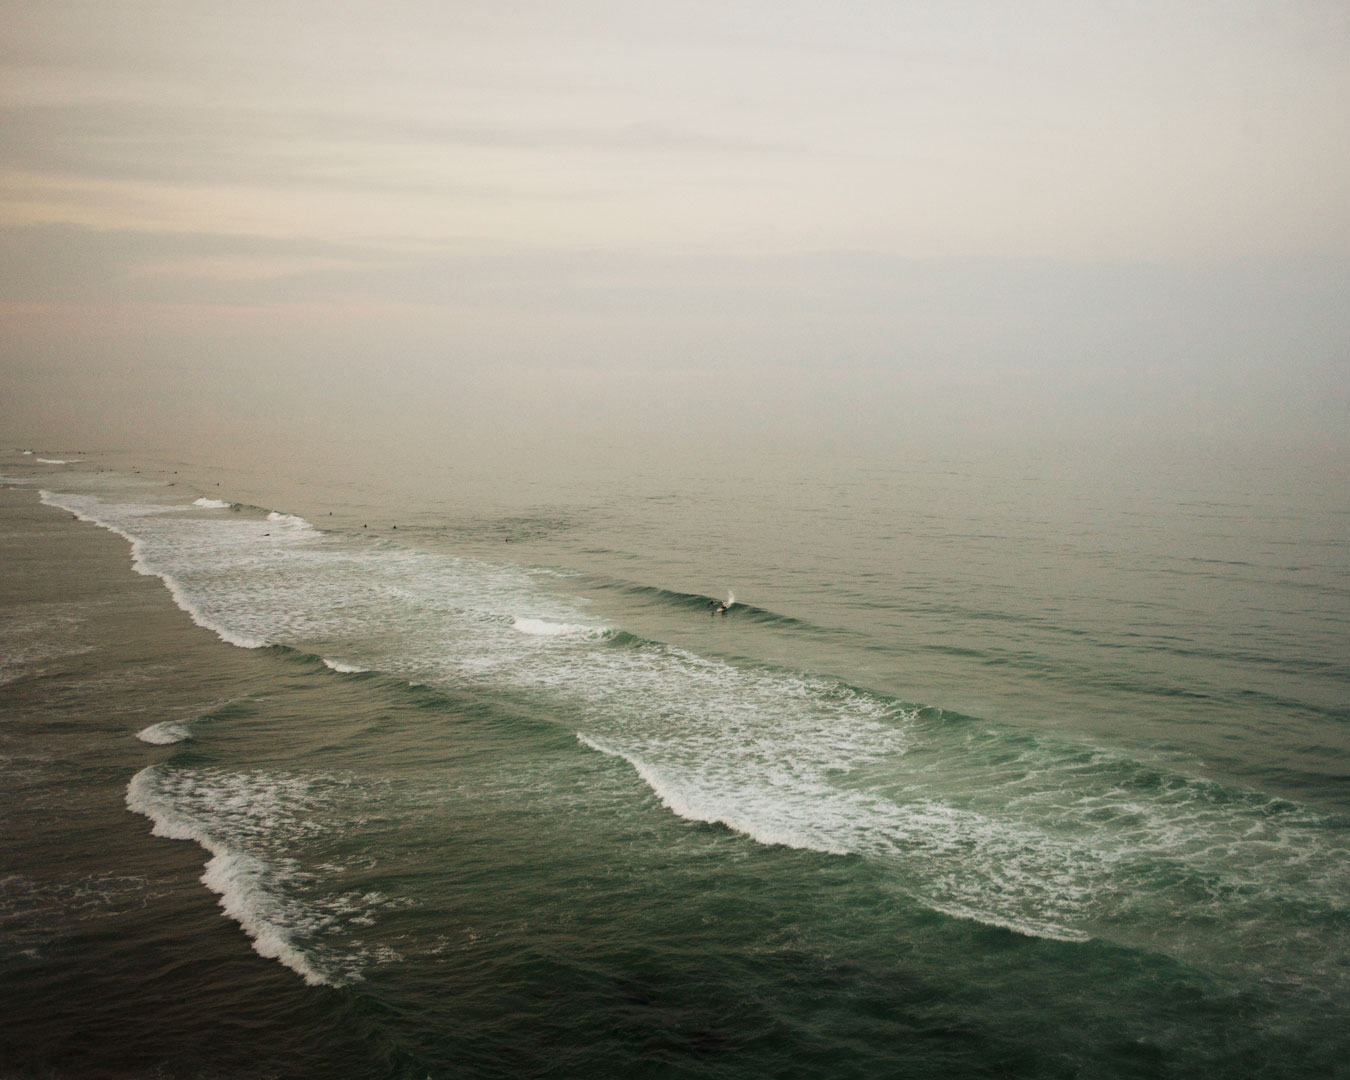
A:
[986,769]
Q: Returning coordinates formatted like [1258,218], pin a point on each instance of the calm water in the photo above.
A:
[1025,769]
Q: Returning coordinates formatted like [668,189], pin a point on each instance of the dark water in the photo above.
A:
[989,770]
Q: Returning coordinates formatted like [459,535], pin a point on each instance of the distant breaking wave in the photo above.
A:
[546,628]
[164,734]
[289,521]
[696,602]
[342,667]
[85,508]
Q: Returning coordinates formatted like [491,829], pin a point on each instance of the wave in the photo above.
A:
[697,602]
[86,508]
[56,461]
[253,825]
[547,628]
[713,807]
[342,667]
[289,521]
[1049,838]
[211,504]
[1053,841]
[251,888]
[165,733]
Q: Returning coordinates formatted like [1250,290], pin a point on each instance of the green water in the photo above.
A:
[989,771]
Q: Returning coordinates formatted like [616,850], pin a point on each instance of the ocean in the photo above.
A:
[792,765]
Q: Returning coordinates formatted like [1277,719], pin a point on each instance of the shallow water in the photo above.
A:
[989,769]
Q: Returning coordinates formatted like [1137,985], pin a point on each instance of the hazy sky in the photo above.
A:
[870,220]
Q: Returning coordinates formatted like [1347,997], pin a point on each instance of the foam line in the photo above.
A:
[548,628]
[83,508]
[239,879]
[707,808]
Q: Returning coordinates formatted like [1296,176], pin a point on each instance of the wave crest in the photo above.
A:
[549,628]
[165,733]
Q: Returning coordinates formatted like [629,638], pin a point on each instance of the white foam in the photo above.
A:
[241,883]
[87,508]
[249,886]
[182,598]
[343,667]
[712,807]
[56,461]
[212,504]
[548,628]
[953,861]
[288,521]
[83,507]
[164,734]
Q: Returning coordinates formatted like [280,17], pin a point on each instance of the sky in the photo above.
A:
[899,223]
